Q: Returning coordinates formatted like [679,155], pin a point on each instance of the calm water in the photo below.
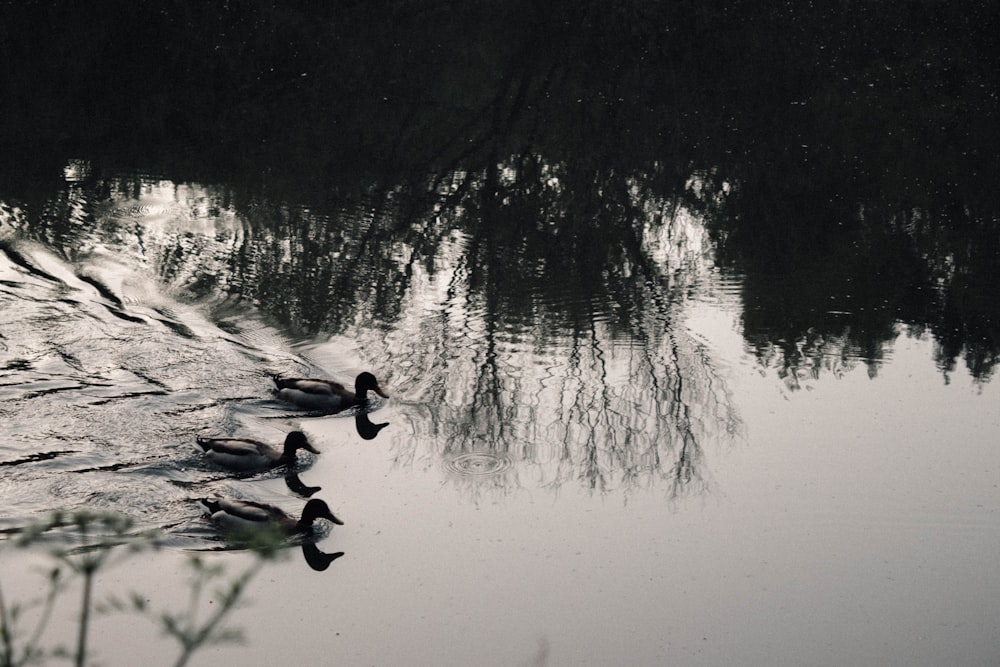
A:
[564,478]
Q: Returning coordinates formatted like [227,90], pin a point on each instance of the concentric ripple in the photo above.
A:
[478,464]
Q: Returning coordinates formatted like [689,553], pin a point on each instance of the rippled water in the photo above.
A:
[133,324]
[106,382]
[564,479]
[478,464]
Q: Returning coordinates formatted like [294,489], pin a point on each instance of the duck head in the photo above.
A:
[297,440]
[317,509]
[365,382]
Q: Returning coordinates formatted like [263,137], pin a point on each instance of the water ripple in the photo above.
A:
[113,388]
[478,464]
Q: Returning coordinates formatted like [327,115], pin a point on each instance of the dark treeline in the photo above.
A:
[845,152]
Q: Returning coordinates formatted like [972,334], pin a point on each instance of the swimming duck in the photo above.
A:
[313,394]
[245,515]
[247,454]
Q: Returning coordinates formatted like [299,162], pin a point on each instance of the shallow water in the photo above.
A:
[570,481]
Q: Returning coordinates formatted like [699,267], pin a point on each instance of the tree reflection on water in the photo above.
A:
[513,209]
[557,339]
[529,324]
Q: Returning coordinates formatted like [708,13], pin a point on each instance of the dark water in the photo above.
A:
[688,318]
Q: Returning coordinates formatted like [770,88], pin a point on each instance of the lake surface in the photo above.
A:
[688,319]
[562,477]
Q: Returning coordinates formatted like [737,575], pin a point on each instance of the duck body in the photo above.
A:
[326,395]
[234,515]
[247,454]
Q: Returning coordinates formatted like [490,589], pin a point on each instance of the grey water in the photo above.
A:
[687,319]
[570,493]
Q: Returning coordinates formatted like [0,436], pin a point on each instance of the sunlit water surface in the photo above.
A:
[581,497]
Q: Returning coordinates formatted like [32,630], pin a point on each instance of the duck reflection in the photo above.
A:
[292,481]
[296,485]
[366,429]
[316,559]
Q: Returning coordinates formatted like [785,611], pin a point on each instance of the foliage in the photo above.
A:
[97,540]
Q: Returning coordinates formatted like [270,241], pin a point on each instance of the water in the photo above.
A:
[564,476]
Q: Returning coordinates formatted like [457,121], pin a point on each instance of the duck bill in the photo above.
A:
[378,390]
[335,520]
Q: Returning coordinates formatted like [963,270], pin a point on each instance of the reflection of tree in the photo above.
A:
[509,198]
[554,340]
[838,300]
[541,325]
[853,143]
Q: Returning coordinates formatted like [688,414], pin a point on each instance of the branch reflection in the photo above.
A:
[548,338]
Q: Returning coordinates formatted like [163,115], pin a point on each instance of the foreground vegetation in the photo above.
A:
[82,544]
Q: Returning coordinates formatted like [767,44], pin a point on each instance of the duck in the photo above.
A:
[231,515]
[315,394]
[247,454]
